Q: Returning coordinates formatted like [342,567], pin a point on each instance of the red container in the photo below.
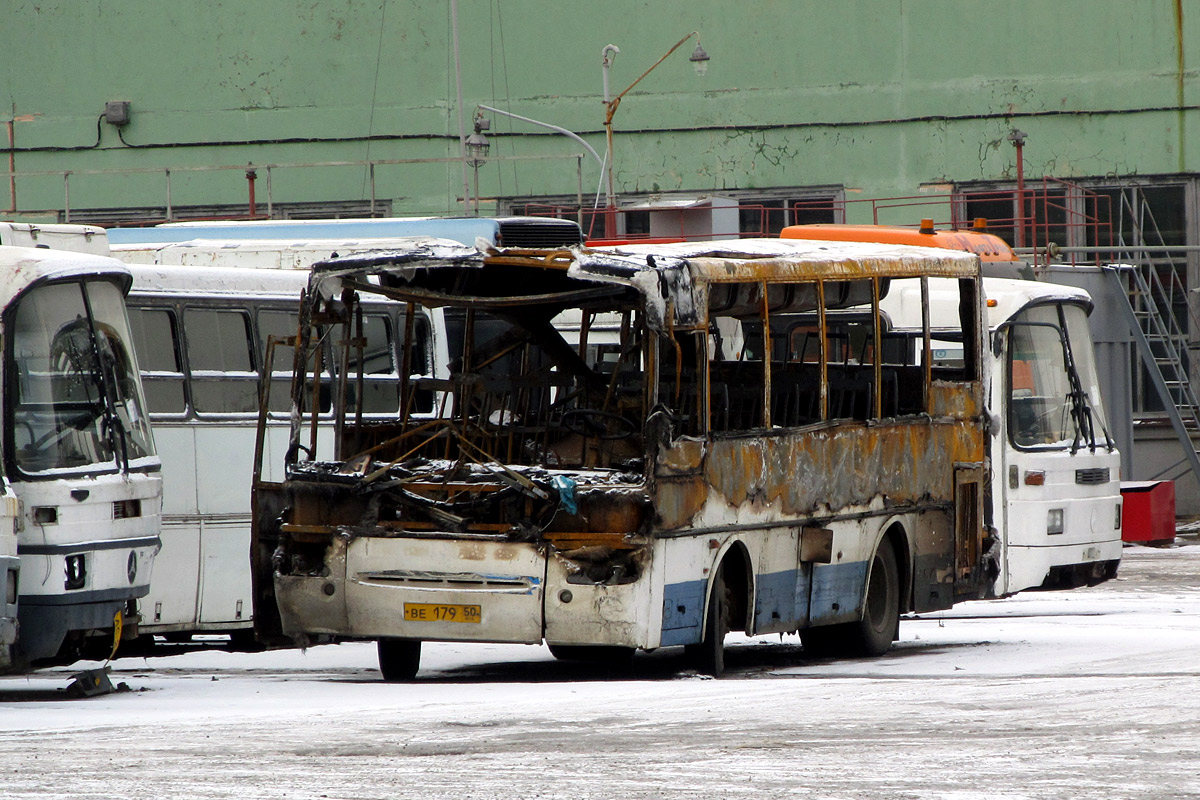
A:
[1148,515]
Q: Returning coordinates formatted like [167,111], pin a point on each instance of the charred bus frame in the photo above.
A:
[630,455]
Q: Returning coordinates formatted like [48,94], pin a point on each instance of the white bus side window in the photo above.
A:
[422,399]
[278,323]
[223,379]
[379,396]
[736,346]
[156,341]
[850,367]
[377,347]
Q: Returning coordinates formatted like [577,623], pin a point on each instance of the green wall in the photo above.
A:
[880,96]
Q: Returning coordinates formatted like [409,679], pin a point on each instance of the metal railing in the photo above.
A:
[250,172]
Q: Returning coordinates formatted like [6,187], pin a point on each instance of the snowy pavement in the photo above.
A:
[1093,693]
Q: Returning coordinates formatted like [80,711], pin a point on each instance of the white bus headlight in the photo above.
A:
[1054,521]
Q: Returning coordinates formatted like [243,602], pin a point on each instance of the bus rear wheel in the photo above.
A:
[709,655]
[399,659]
[874,633]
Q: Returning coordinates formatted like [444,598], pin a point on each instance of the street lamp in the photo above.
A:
[699,59]
[1017,138]
[557,129]
[477,147]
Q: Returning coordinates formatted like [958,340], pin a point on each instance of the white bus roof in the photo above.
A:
[171,279]
[21,267]
[801,251]
[461,229]
[1005,298]
[295,253]
[79,238]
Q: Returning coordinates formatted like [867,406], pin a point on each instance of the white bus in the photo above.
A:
[10,574]
[698,477]
[201,333]
[1055,479]
[200,324]
[78,455]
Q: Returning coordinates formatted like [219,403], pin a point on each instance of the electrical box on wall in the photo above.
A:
[116,112]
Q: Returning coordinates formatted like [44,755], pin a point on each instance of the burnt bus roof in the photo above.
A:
[437,272]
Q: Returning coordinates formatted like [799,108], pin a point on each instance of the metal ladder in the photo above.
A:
[1163,346]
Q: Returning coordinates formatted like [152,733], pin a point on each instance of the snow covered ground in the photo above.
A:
[1093,693]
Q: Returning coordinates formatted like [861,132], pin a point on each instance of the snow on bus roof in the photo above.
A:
[795,258]
[20,267]
[664,274]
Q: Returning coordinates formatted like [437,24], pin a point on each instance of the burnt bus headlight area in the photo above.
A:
[302,556]
[602,566]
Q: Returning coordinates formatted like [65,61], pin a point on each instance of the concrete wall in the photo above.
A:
[879,96]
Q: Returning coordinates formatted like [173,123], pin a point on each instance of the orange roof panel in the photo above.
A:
[988,247]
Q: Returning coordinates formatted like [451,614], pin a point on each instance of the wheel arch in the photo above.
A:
[733,562]
[896,532]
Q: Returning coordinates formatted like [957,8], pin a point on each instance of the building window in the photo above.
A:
[141,215]
[692,215]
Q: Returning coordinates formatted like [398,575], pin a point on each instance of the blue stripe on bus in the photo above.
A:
[837,592]
[783,600]
[683,612]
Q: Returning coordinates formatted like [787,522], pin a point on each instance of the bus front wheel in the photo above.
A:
[399,659]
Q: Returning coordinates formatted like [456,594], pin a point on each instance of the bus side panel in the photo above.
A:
[851,469]
[837,592]
[623,614]
[686,566]
[171,603]
[933,561]
[225,574]
[224,460]
[10,572]
[781,583]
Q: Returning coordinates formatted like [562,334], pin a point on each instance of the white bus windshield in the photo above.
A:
[1054,391]
[78,402]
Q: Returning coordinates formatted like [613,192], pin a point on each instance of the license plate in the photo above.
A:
[441,612]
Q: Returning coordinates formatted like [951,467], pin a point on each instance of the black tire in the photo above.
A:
[709,655]
[399,659]
[824,641]
[874,633]
[606,655]
[244,641]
